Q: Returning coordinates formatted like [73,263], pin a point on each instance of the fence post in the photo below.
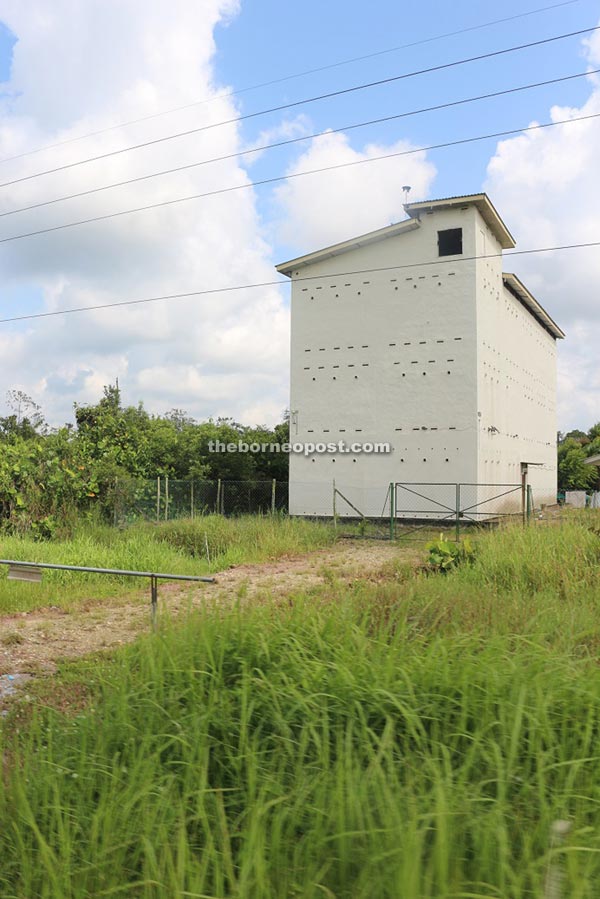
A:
[218,506]
[166,497]
[158,498]
[222,497]
[192,497]
[524,492]
[392,510]
[334,507]
[529,502]
[458,513]
[273,495]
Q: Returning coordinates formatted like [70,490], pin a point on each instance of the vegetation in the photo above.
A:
[445,555]
[411,735]
[573,449]
[199,547]
[49,478]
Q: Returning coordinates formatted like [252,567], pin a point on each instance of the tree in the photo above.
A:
[573,473]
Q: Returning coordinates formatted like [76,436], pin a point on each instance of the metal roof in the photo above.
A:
[484,205]
[592,460]
[518,289]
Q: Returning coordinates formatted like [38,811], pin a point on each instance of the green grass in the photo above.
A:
[178,547]
[415,736]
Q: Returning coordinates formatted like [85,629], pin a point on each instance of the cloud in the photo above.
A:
[322,209]
[544,184]
[85,67]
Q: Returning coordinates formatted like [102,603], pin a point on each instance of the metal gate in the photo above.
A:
[447,503]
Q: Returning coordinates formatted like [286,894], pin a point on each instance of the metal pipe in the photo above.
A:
[116,571]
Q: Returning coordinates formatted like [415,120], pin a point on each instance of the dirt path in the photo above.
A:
[33,642]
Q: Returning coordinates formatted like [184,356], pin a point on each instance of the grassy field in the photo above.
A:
[199,547]
[410,736]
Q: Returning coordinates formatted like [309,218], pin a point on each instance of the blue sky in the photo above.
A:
[75,70]
[270,39]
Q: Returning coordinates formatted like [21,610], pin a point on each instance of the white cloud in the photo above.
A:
[322,209]
[545,185]
[84,67]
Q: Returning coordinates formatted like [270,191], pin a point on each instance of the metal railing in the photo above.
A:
[32,573]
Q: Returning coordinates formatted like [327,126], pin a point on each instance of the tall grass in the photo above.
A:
[394,740]
[200,547]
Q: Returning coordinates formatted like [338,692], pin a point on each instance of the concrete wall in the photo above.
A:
[385,356]
[516,373]
[427,358]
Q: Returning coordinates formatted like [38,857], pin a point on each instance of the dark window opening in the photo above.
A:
[450,242]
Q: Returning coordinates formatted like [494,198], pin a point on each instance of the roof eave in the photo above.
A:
[483,203]
[286,268]
[516,286]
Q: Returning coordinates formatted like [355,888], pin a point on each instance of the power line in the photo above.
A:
[285,78]
[304,102]
[294,140]
[264,181]
[280,282]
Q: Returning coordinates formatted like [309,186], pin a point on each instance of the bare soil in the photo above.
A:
[34,642]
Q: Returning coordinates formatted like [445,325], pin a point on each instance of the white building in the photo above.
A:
[415,336]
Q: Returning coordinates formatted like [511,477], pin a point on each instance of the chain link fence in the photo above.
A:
[165,499]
